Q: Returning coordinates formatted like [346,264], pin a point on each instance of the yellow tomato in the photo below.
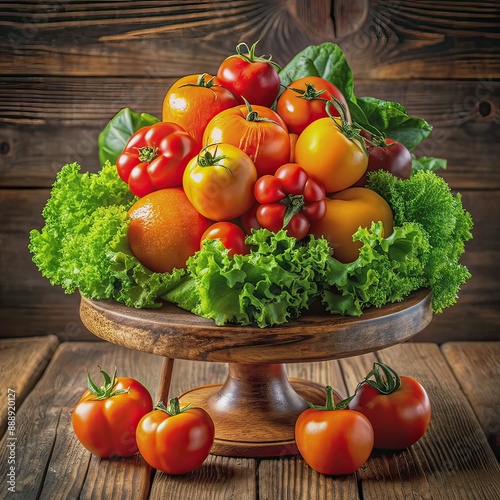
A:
[346,211]
[329,156]
[219,182]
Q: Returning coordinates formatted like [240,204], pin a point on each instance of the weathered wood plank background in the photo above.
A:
[67,67]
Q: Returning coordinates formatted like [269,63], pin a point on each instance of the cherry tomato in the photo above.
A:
[250,77]
[193,100]
[331,151]
[303,102]
[289,200]
[175,440]
[231,236]
[346,211]
[333,440]
[397,407]
[155,158]
[105,419]
[388,155]
[258,131]
[219,182]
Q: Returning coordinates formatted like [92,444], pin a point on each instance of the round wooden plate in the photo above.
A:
[255,409]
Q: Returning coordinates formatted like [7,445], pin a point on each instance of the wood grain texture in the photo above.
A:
[22,362]
[446,461]
[49,456]
[476,365]
[384,39]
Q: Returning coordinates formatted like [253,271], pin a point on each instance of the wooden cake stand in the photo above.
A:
[256,358]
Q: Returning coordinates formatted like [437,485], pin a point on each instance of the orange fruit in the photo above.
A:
[165,229]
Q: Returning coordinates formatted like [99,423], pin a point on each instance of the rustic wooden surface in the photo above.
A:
[67,68]
[452,460]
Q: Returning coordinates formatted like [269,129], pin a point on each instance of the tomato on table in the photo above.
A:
[219,182]
[332,151]
[230,235]
[105,419]
[155,158]
[193,100]
[250,77]
[258,131]
[175,440]
[304,102]
[333,440]
[398,407]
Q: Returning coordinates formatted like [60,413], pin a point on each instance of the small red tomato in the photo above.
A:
[254,78]
[106,418]
[231,236]
[175,440]
[333,440]
[397,407]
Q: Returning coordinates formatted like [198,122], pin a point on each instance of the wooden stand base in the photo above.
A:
[255,410]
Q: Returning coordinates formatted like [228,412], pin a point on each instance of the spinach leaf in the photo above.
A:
[392,120]
[114,137]
[327,61]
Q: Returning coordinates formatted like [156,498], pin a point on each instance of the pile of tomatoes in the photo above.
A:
[249,154]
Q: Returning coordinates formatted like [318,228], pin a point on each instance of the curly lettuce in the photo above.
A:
[83,244]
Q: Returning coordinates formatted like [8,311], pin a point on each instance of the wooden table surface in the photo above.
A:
[457,458]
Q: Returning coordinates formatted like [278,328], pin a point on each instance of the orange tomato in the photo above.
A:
[192,101]
[346,211]
[326,154]
[258,131]
[165,229]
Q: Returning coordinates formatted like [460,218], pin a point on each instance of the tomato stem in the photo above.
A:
[294,204]
[310,93]
[173,408]
[253,116]
[147,153]
[106,390]
[248,54]
[208,159]
[386,380]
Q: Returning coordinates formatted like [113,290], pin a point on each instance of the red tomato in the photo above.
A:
[250,77]
[231,236]
[304,100]
[289,200]
[193,100]
[397,407]
[175,440]
[155,158]
[105,419]
[333,440]
[219,182]
[389,155]
[258,131]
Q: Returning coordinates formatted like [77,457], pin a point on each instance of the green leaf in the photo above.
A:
[429,163]
[392,120]
[118,131]
[327,61]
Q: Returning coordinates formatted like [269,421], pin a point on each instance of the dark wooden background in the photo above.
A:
[67,67]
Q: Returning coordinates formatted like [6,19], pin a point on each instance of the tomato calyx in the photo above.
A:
[351,131]
[248,54]
[173,408]
[202,82]
[330,402]
[294,204]
[147,153]
[106,390]
[310,93]
[253,116]
[386,380]
[208,159]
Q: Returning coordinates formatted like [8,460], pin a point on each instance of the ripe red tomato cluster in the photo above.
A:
[227,139]
[118,420]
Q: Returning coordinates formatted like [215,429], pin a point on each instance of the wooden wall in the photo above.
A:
[67,67]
